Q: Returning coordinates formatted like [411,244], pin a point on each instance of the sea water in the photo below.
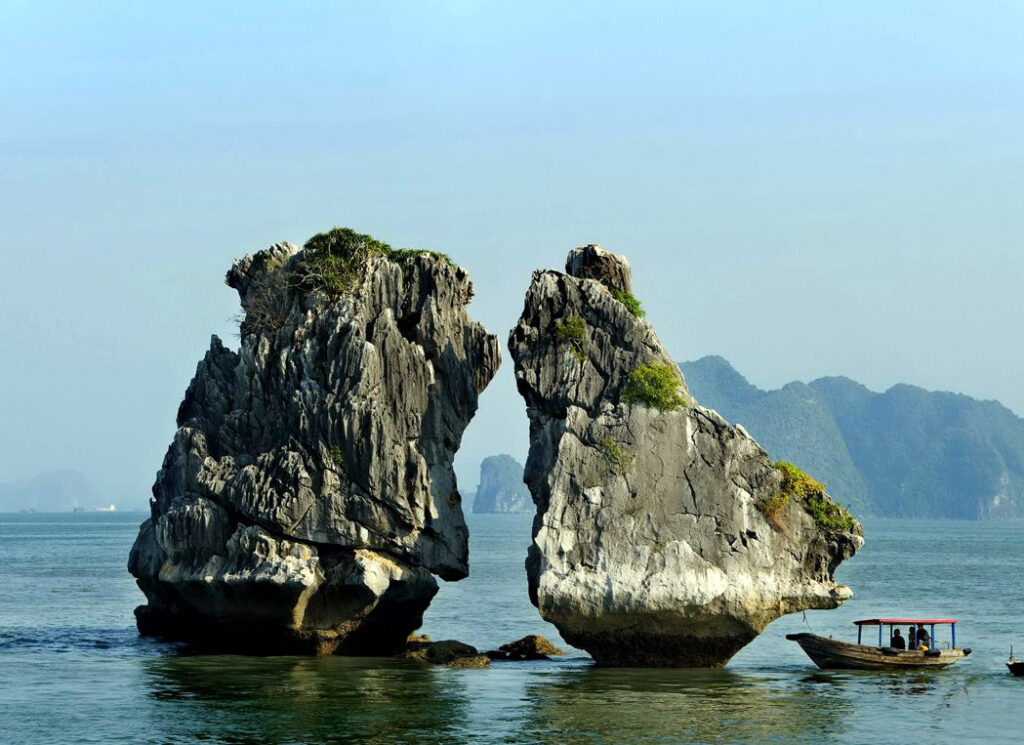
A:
[73,669]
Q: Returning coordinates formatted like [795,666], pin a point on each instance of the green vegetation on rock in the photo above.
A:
[407,254]
[573,331]
[656,386]
[774,507]
[632,304]
[617,456]
[828,514]
[331,263]
[797,485]
[334,261]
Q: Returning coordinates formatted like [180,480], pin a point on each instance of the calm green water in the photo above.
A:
[73,670]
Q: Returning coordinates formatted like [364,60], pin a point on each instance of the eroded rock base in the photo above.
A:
[623,649]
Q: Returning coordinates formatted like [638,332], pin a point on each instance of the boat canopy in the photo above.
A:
[919,622]
[926,621]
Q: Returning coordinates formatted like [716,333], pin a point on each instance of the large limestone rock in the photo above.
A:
[308,498]
[651,544]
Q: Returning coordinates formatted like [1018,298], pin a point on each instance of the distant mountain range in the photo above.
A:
[907,452]
[53,491]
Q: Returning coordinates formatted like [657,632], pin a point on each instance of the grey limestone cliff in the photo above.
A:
[663,535]
[308,497]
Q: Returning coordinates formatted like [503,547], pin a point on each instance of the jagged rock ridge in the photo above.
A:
[651,545]
[308,497]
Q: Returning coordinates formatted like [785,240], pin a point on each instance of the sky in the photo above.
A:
[804,188]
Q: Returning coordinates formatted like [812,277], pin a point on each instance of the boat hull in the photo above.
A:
[829,654]
[1016,668]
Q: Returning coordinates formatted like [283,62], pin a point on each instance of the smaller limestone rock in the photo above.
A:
[470,663]
[445,652]
[501,487]
[530,647]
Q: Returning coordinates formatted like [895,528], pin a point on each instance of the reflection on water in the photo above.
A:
[285,700]
[657,706]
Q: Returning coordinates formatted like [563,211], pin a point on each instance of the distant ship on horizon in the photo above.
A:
[107,508]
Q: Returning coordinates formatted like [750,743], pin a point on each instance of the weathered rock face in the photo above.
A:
[650,544]
[308,497]
[501,487]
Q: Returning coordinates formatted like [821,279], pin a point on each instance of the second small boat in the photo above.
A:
[829,654]
[1015,666]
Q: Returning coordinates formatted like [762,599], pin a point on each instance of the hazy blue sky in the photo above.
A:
[804,188]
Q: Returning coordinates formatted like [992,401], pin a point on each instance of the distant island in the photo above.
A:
[906,452]
[501,488]
[53,491]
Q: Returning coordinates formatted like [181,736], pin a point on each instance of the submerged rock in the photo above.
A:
[308,498]
[448,652]
[664,536]
[530,647]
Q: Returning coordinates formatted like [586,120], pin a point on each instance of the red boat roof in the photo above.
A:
[877,621]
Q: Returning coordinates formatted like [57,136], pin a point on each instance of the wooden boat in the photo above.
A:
[830,654]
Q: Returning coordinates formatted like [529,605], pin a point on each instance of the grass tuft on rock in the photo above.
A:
[632,304]
[655,385]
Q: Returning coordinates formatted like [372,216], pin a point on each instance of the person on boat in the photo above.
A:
[911,638]
[923,640]
[897,641]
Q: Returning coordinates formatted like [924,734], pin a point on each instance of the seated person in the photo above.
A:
[912,638]
[897,641]
[923,640]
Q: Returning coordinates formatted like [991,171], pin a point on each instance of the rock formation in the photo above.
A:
[448,652]
[501,487]
[308,497]
[663,535]
[530,647]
